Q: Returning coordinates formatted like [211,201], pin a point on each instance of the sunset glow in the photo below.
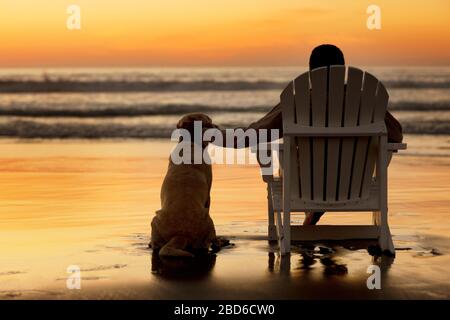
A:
[200,32]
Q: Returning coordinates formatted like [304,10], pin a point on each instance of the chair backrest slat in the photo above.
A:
[351,108]
[319,93]
[303,107]
[361,144]
[335,109]
[289,110]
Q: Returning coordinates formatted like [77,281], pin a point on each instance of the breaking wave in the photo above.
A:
[35,129]
[125,111]
[64,85]
[176,109]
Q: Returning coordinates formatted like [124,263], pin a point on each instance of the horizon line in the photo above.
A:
[206,66]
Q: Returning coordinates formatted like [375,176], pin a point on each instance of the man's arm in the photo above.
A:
[394,128]
[272,120]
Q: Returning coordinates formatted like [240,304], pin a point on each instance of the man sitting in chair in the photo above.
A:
[322,56]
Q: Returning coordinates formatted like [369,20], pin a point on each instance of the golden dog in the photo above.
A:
[183,224]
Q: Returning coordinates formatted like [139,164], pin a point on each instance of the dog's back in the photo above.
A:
[183,220]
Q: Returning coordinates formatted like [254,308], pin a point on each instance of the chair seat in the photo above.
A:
[369,204]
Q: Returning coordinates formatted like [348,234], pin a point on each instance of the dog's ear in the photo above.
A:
[187,123]
[183,123]
[208,123]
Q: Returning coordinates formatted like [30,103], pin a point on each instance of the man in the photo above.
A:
[322,56]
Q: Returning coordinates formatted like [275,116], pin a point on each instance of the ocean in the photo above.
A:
[129,103]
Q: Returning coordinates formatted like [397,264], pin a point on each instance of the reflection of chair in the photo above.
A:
[279,263]
[334,136]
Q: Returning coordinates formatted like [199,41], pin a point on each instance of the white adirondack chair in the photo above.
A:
[334,137]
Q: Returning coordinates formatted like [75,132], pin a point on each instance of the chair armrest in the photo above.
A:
[269,146]
[373,129]
[265,146]
[394,147]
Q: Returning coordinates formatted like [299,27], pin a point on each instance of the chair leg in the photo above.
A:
[285,246]
[285,264]
[280,230]
[272,231]
[385,238]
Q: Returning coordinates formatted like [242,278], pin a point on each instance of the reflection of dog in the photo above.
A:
[186,269]
[183,224]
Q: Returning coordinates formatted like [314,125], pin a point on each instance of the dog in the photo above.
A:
[183,225]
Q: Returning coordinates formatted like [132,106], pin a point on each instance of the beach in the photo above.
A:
[89,203]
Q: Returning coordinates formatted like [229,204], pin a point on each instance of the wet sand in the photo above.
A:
[90,204]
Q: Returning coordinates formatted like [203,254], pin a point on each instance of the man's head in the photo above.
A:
[325,55]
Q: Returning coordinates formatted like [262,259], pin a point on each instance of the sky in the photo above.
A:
[33,33]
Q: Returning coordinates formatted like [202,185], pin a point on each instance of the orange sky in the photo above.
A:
[220,32]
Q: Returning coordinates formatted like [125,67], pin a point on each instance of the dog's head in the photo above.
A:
[187,122]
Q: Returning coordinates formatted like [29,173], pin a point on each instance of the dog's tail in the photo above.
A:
[175,248]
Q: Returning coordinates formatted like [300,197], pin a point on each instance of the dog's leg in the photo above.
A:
[156,241]
[218,243]
[175,248]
